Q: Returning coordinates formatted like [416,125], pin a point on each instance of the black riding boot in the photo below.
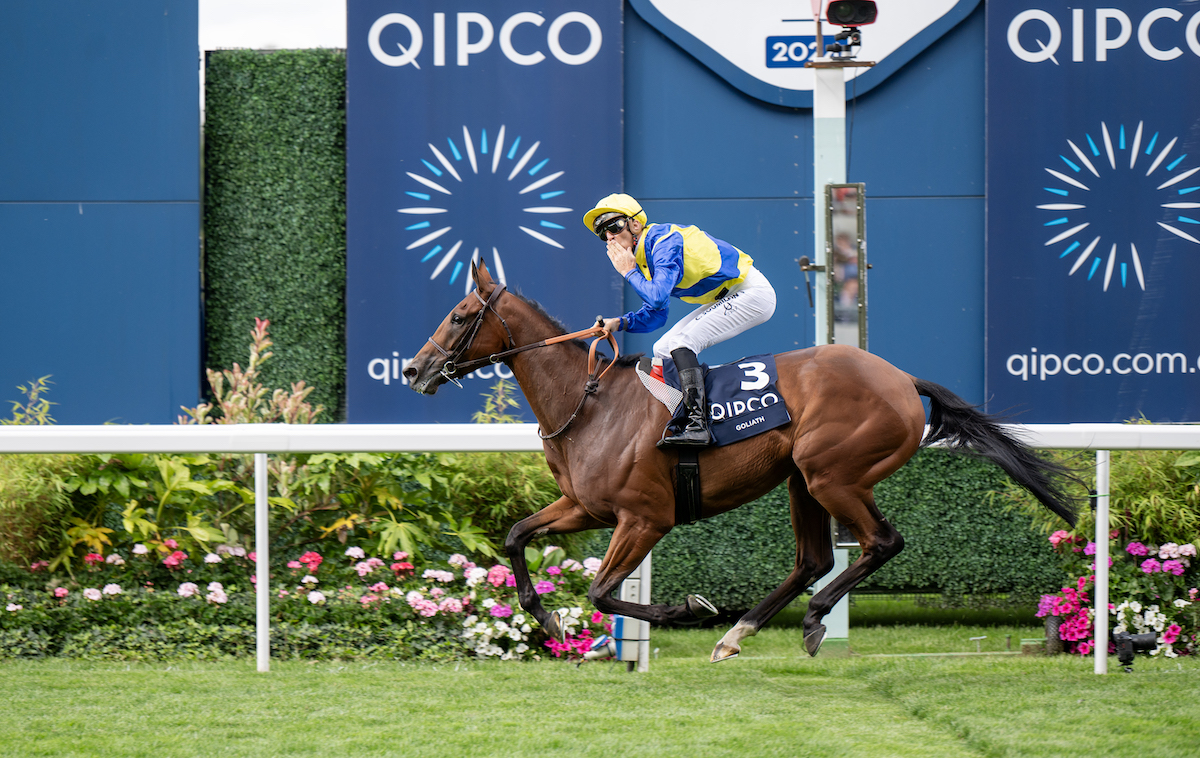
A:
[691,377]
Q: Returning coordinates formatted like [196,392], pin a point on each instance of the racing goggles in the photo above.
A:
[614,225]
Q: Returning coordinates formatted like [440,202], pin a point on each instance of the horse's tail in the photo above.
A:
[966,429]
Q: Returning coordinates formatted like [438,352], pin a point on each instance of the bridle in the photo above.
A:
[452,369]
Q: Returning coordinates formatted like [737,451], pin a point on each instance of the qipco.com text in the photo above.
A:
[1043,366]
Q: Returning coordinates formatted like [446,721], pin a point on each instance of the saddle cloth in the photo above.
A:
[742,399]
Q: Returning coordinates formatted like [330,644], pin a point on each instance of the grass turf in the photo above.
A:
[773,700]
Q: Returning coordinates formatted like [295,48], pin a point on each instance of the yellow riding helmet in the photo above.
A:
[616,203]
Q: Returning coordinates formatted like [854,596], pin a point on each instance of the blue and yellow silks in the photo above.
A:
[684,262]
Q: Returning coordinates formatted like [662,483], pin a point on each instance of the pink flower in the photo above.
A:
[1084,648]
[510,581]
[1090,549]
[1151,566]
[399,555]
[1172,567]
[1187,551]
[402,566]
[450,605]
[1192,593]
[498,574]
[439,576]
[91,593]
[60,592]
[312,560]
[597,617]
[422,606]
[1168,550]
[543,587]
[591,566]
[379,587]
[437,592]
[187,589]
[1060,536]
[253,557]
[93,559]
[1136,548]
[294,564]
[367,600]
[355,552]
[172,544]
[39,565]
[554,571]
[174,559]
[500,610]
[1171,634]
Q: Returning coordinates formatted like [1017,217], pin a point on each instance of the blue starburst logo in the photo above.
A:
[477,198]
[1105,197]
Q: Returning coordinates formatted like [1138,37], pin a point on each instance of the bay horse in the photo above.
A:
[855,419]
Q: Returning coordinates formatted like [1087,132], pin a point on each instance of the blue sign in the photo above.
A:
[1093,235]
[473,133]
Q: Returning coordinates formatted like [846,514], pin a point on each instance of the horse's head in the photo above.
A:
[466,334]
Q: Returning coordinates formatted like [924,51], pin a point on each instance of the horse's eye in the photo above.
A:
[456,319]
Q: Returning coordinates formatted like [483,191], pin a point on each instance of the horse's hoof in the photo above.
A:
[700,608]
[813,640]
[555,627]
[723,652]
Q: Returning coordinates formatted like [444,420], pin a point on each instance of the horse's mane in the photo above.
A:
[625,361]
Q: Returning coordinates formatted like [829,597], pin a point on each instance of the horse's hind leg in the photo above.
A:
[628,548]
[880,541]
[814,559]
[560,517]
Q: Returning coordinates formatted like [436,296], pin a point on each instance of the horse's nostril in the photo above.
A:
[410,373]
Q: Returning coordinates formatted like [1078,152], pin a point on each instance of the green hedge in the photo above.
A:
[275,214]
[958,541]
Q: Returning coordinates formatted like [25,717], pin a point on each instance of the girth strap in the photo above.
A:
[687,487]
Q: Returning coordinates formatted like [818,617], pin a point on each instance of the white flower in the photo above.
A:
[309,579]
[476,575]
[1181,603]
[488,602]
[238,552]
[316,598]
[215,587]
[12,607]
[571,564]
[518,619]
[91,593]
[470,620]
[355,552]
[140,549]
[515,634]
[1169,550]
[1135,606]
[216,596]
[526,628]
[212,558]
[114,560]
[576,612]
[591,566]
[112,589]
[187,589]
[521,648]
[549,549]
[224,550]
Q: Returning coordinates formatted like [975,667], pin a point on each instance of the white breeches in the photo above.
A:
[748,304]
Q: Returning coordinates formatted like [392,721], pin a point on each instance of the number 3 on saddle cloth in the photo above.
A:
[742,400]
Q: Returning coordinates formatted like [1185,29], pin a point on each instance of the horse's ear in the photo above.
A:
[483,279]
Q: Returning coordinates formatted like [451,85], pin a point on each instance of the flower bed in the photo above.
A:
[1154,586]
[165,603]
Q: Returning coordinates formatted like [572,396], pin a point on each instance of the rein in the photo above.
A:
[452,369]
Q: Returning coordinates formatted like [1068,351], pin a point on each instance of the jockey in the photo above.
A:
[664,260]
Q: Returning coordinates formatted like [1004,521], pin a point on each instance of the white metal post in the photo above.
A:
[643,662]
[829,167]
[262,564]
[1101,600]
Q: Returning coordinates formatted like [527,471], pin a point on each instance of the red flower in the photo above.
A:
[92,559]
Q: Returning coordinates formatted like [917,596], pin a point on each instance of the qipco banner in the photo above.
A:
[475,131]
[1093,211]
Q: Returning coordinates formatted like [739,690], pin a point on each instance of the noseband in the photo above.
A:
[451,368]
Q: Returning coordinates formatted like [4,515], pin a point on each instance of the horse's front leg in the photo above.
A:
[631,542]
[563,516]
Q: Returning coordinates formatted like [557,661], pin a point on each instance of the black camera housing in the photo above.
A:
[851,12]
[1128,644]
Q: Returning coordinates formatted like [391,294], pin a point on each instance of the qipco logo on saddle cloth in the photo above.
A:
[742,399]
[475,132]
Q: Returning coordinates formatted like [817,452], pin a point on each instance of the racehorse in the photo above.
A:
[855,419]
